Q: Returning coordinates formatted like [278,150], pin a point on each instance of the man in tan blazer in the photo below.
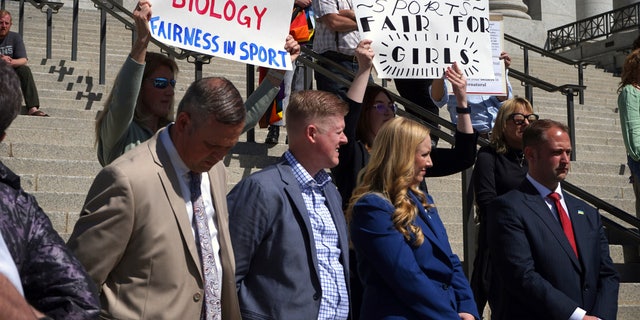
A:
[135,236]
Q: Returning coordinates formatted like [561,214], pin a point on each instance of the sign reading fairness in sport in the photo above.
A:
[248,31]
[420,38]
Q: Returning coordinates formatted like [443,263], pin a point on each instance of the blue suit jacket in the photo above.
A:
[536,274]
[401,281]
[276,264]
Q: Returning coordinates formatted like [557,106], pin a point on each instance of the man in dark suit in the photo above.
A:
[286,222]
[153,233]
[550,257]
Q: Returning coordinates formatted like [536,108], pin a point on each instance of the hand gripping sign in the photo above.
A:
[420,38]
[248,31]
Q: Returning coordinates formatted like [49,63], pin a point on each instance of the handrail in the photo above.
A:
[601,204]
[542,51]
[526,47]
[568,90]
[48,7]
[107,6]
[601,25]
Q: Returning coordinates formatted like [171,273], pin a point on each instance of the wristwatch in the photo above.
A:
[466,110]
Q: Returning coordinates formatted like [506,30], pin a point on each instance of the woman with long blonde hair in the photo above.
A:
[404,257]
[500,167]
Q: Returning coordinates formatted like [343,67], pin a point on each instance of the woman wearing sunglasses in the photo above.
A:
[500,167]
[142,98]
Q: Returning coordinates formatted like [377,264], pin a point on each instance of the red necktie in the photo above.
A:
[565,221]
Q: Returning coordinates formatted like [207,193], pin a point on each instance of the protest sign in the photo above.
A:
[252,32]
[420,38]
[496,85]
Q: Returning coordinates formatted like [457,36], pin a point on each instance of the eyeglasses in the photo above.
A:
[383,108]
[518,118]
[162,83]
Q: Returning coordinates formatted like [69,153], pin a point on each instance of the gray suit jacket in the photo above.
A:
[135,240]
[276,265]
[536,274]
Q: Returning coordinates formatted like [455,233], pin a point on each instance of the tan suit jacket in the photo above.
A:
[135,239]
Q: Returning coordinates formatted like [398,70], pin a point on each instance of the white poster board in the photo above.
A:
[420,38]
[496,86]
[252,32]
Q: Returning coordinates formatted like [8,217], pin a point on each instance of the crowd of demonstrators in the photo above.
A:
[153,232]
[157,224]
[549,252]
[500,167]
[404,257]
[141,101]
[13,52]
[629,110]
[484,108]
[40,275]
[336,38]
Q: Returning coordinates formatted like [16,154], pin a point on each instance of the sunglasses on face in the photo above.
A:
[162,83]
[519,118]
[382,108]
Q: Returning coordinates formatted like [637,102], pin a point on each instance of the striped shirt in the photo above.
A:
[335,299]
[326,40]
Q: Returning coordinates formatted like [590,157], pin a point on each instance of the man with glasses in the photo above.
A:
[13,52]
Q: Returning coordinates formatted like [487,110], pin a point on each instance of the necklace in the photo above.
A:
[520,157]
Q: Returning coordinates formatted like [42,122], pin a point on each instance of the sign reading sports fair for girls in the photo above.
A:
[248,31]
[420,38]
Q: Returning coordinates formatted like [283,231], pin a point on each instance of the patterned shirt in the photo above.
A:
[484,109]
[335,299]
[326,40]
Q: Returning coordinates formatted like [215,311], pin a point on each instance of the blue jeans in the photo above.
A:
[634,167]
[324,83]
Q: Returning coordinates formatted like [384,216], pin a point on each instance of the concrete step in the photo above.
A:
[53,166]
[34,150]
[64,137]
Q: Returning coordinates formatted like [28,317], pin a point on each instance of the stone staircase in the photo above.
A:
[56,157]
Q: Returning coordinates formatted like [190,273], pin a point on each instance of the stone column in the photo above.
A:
[509,8]
[590,8]
[617,4]
[557,13]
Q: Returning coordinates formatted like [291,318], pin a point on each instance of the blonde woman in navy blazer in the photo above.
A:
[404,258]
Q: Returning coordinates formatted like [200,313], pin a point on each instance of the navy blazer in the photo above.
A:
[402,281]
[536,274]
[276,264]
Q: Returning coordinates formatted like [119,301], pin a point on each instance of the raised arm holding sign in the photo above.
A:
[238,30]
[418,40]
[142,98]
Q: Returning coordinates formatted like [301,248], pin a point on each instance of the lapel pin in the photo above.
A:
[580,212]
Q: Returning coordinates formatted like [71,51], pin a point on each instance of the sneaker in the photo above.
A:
[273,135]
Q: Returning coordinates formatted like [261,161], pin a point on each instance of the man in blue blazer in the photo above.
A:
[544,268]
[286,222]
